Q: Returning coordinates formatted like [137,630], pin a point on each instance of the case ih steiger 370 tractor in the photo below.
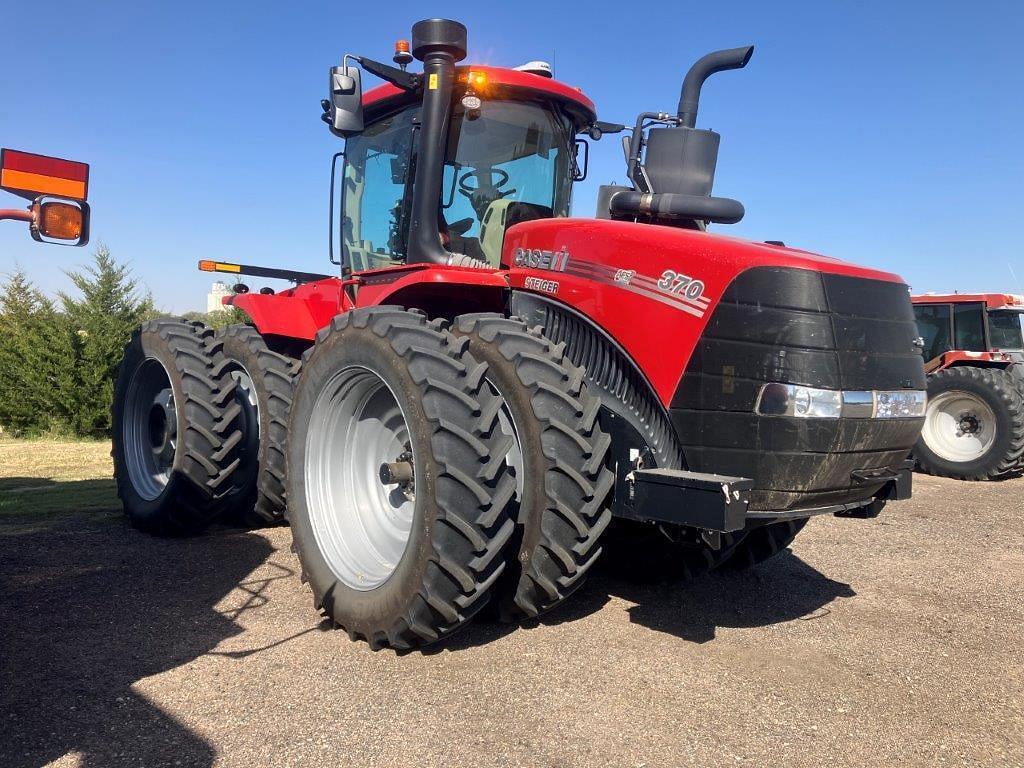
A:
[974,357]
[457,418]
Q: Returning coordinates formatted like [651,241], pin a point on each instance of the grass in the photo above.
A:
[55,477]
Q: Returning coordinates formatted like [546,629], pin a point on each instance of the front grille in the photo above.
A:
[798,327]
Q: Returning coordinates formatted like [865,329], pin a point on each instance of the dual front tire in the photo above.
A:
[441,470]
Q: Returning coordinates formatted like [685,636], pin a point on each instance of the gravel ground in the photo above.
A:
[895,641]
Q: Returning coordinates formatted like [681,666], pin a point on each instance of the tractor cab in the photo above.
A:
[508,158]
[506,152]
[970,323]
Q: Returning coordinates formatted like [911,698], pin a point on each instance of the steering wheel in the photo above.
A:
[483,194]
[467,190]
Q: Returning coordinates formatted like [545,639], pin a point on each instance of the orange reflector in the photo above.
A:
[29,175]
[207,265]
[60,221]
[401,46]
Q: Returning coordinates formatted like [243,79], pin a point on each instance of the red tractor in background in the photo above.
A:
[489,391]
[974,356]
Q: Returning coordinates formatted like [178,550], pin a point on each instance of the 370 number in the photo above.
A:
[677,282]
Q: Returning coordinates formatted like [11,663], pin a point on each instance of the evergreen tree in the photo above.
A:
[100,323]
[35,356]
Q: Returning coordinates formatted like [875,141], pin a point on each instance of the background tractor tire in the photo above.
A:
[176,428]
[263,390]
[755,546]
[397,564]
[562,501]
[974,425]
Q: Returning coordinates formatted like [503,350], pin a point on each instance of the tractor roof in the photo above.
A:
[499,81]
[991,300]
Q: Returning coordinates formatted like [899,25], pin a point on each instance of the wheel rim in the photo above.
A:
[150,429]
[245,396]
[361,524]
[960,426]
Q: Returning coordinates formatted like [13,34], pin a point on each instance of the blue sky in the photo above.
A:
[887,134]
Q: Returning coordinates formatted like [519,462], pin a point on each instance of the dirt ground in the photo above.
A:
[896,641]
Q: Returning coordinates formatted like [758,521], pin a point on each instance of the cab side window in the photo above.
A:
[376,193]
[933,323]
[969,327]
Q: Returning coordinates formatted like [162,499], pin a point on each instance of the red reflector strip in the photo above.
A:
[26,172]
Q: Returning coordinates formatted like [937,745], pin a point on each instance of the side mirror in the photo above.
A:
[345,108]
[580,160]
[63,222]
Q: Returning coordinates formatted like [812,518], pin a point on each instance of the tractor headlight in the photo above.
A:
[814,403]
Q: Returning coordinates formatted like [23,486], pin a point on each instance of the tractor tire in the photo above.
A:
[760,544]
[398,491]
[177,429]
[562,480]
[263,390]
[974,425]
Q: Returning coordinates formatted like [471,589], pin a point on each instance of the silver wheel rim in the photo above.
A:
[361,525]
[245,396]
[959,427]
[150,429]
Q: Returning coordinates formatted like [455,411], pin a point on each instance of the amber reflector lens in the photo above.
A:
[208,266]
[60,221]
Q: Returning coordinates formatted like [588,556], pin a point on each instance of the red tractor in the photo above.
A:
[974,357]
[490,391]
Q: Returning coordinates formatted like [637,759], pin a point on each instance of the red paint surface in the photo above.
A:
[991,300]
[958,357]
[497,76]
[660,336]
[44,165]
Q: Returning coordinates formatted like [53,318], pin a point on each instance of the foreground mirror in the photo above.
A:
[345,108]
[64,222]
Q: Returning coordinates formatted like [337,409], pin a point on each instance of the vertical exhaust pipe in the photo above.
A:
[439,44]
[705,67]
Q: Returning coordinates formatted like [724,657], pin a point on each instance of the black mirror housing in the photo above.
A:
[345,107]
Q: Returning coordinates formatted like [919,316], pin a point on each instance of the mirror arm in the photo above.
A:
[407,81]
[17,214]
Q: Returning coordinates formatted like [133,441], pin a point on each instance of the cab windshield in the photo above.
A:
[506,163]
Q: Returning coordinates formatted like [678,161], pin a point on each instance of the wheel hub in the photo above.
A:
[959,426]
[150,429]
[360,483]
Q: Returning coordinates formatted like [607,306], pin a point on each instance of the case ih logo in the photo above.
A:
[556,261]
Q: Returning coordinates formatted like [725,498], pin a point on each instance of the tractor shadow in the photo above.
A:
[89,607]
[782,589]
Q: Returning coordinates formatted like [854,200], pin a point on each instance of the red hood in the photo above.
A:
[719,253]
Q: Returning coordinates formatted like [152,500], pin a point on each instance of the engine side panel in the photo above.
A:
[653,289]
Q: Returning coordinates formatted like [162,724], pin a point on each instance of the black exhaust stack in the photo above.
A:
[439,44]
[672,182]
[703,68]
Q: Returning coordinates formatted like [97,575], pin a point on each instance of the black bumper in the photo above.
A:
[722,504]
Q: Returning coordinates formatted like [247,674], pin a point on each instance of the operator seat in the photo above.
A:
[499,216]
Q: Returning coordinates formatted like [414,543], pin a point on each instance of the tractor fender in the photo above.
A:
[631,413]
